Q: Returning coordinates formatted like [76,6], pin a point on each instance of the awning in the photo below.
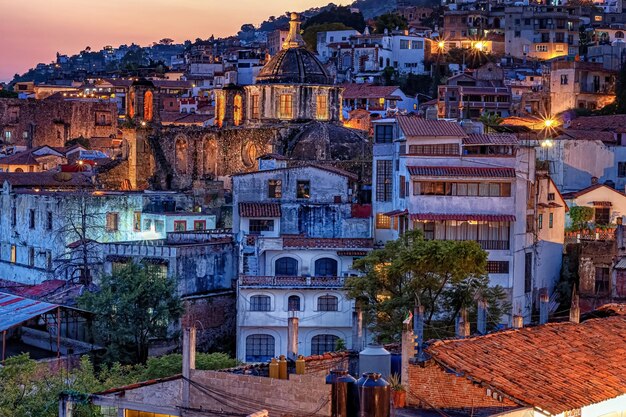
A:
[601,203]
[396,213]
[621,264]
[259,210]
[15,310]
[463,217]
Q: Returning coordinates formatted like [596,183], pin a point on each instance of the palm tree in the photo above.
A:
[490,120]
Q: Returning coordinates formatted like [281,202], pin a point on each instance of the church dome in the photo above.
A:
[294,64]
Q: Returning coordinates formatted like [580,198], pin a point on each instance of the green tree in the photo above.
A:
[133,306]
[337,14]
[310,33]
[390,21]
[491,121]
[580,217]
[443,276]
[8,94]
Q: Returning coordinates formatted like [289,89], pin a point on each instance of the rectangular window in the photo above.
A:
[255,113]
[497,267]
[112,222]
[429,230]
[404,44]
[285,110]
[260,225]
[401,186]
[440,149]
[621,169]
[13,254]
[49,260]
[540,222]
[382,221]
[137,221]
[493,189]
[180,225]
[551,196]
[564,79]
[13,216]
[551,220]
[303,189]
[321,107]
[275,188]
[31,219]
[384,134]
[159,226]
[530,223]
[603,277]
[603,215]
[383,180]
[199,225]
[541,48]
[31,256]
[528,272]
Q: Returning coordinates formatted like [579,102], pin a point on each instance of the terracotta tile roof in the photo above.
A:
[463,217]
[259,210]
[588,135]
[338,243]
[555,367]
[442,171]
[368,91]
[46,179]
[575,194]
[328,168]
[416,126]
[490,139]
[140,384]
[22,158]
[615,122]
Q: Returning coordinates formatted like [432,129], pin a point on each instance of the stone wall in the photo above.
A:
[33,123]
[215,319]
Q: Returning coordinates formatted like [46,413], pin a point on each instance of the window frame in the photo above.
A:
[320,343]
[267,226]
[112,222]
[178,223]
[274,188]
[260,302]
[327,303]
[260,344]
[326,265]
[303,189]
[286,264]
[291,304]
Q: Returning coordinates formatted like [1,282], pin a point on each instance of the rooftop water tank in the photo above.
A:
[374,395]
[375,358]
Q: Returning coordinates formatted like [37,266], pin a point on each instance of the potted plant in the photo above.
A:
[398,391]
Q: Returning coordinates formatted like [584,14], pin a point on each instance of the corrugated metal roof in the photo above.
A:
[15,310]
[490,139]
[443,171]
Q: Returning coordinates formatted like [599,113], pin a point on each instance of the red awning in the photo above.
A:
[464,217]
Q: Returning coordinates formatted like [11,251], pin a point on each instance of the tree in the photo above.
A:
[491,121]
[580,217]
[390,21]
[310,33]
[166,41]
[336,14]
[442,276]
[134,305]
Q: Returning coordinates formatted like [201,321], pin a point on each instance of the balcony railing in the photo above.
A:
[597,234]
[494,244]
[290,281]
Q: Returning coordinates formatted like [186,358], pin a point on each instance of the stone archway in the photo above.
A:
[182,154]
[211,166]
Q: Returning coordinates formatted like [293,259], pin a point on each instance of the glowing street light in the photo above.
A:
[441,44]
[549,123]
[479,46]
[547,143]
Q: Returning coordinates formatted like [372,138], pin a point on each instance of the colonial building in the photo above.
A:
[431,175]
[299,230]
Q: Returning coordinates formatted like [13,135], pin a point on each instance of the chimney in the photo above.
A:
[574,310]
[462,325]
[482,317]
[189,360]
[292,338]
[357,330]
[518,321]
[418,331]
[544,305]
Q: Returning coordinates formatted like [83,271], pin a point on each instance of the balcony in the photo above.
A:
[590,235]
[290,281]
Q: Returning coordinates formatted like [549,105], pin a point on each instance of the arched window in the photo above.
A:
[326,267]
[323,343]
[327,303]
[293,303]
[220,109]
[286,266]
[259,348]
[148,99]
[260,303]
[249,154]
[181,155]
[619,35]
[237,110]
[210,158]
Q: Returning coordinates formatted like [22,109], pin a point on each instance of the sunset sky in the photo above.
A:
[32,31]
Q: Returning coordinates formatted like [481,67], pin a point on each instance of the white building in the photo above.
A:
[325,39]
[432,176]
[298,238]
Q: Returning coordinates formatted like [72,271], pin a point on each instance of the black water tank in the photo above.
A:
[374,395]
[344,399]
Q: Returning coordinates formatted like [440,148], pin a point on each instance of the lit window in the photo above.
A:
[382,221]
[285,110]
[180,225]
[112,222]
[322,107]
[238,110]
[13,254]
[255,107]
[275,188]
[303,189]
[137,221]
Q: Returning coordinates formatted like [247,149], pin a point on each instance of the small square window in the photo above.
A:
[180,225]
[303,189]
[274,189]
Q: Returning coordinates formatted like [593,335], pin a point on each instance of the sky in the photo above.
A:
[33,31]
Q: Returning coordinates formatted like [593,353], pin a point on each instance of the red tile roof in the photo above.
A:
[615,122]
[555,367]
[259,210]
[368,91]
[490,139]
[22,158]
[338,243]
[463,217]
[46,179]
[416,126]
[588,135]
[442,171]
[576,194]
